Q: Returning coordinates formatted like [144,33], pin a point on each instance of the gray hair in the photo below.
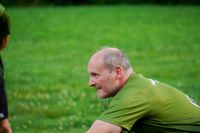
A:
[114,57]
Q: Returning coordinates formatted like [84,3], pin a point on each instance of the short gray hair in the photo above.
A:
[114,57]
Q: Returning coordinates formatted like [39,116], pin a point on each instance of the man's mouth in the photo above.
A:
[98,87]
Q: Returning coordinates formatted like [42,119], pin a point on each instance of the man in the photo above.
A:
[139,104]
[4,34]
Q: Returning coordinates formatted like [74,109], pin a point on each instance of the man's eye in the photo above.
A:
[95,75]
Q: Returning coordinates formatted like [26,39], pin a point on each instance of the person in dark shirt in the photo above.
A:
[4,35]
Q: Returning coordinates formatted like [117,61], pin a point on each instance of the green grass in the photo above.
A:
[46,59]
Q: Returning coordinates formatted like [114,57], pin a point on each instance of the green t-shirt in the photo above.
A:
[146,105]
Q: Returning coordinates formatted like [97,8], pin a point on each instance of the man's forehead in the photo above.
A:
[96,63]
[97,57]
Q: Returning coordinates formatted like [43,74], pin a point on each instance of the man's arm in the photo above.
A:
[103,127]
[5,126]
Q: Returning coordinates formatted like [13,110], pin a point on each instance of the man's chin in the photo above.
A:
[101,96]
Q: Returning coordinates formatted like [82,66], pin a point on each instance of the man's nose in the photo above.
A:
[91,83]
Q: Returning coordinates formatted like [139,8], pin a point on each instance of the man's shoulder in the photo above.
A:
[137,85]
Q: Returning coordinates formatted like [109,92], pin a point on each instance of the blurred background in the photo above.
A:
[96,2]
[51,42]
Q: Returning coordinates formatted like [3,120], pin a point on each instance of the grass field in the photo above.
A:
[46,59]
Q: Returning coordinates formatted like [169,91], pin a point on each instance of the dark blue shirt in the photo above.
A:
[3,98]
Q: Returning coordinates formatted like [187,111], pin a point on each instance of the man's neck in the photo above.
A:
[129,73]
[127,76]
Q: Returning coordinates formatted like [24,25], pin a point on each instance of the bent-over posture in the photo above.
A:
[139,104]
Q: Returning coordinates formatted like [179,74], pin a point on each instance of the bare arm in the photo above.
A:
[5,126]
[103,127]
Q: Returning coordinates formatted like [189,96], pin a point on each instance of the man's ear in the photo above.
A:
[4,42]
[119,71]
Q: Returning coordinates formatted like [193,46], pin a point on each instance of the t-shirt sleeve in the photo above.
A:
[125,109]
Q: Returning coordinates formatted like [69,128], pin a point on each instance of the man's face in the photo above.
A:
[101,78]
